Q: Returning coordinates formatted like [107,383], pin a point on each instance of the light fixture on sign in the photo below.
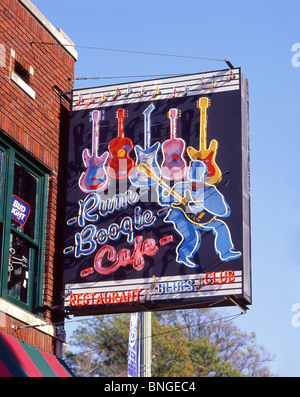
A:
[143,92]
[128,91]
[102,99]
[79,99]
[175,93]
[91,100]
[213,83]
[156,92]
[116,94]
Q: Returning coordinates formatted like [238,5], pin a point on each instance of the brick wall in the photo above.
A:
[36,124]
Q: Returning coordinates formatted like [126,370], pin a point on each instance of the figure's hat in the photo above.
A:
[197,170]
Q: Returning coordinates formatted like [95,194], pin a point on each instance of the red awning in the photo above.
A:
[19,359]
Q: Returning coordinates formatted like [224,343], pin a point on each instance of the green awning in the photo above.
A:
[19,359]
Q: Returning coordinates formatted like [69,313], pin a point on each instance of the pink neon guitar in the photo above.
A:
[174,165]
[95,177]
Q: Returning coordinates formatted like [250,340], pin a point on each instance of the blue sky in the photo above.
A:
[257,36]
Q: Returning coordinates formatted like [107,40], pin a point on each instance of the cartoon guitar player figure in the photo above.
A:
[194,207]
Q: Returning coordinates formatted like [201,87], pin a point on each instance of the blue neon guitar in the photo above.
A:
[148,155]
[95,177]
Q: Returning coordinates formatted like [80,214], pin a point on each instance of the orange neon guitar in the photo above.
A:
[207,155]
[120,165]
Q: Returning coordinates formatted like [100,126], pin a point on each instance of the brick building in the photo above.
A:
[36,77]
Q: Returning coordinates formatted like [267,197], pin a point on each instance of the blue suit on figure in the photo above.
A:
[205,198]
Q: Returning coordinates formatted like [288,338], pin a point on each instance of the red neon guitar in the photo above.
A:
[207,155]
[95,177]
[174,165]
[120,164]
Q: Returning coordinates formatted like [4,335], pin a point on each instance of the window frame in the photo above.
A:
[12,153]
[18,79]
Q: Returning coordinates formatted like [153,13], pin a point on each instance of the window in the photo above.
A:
[23,189]
[21,76]
[22,72]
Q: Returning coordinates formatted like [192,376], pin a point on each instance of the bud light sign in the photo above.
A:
[20,210]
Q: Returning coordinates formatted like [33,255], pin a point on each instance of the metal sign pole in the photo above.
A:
[145,344]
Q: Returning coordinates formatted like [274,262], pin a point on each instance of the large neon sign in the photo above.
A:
[163,193]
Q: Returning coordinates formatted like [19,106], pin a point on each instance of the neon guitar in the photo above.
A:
[207,155]
[186,203]
[95,177]
[174,165]
[120,164]
[148,155]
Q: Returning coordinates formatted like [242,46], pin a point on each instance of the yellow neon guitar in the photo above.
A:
[185,204]
[207,155]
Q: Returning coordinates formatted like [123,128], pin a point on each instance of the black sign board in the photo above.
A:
[158,201]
